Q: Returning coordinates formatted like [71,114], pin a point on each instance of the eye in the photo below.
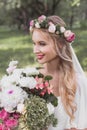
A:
[42,43]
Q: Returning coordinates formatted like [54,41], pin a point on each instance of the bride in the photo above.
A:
[52,47]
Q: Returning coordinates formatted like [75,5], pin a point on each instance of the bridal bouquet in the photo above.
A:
[26,99]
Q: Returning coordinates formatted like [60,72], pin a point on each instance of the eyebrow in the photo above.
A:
[38,41]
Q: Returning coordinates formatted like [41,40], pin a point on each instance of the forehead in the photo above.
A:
[39,35]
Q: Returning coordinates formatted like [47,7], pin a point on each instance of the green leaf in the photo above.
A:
[1,121]
[48,77]
[40,75]
[53,100]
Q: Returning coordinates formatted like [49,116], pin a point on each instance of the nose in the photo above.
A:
[36,49]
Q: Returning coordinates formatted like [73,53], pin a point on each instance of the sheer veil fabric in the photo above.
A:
[81,95]
[76,63]
[80,121]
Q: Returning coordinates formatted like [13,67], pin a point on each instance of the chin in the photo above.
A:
[42,62]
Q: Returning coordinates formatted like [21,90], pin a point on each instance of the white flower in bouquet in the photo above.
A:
[11,97]
[12,66]
[21,108]
[30,71]
[13,63]
[28,82]
[18,72]
[50,108]
[4,82]
[33,106]
[7,81]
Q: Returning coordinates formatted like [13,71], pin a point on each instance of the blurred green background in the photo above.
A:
[15,41]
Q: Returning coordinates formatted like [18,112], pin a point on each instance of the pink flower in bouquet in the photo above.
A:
[7,128]
[39,80]
[41,18]
[10,92]
[49,90]
[40,86]
[4,115]
[16,115]
[43,92]
[11,123]
[46,84]
[2,127]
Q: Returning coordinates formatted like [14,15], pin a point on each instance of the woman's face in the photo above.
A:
[44,47]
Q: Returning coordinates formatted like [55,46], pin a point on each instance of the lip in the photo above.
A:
[39,57]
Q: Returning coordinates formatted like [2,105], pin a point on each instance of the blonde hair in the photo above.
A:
[67,80]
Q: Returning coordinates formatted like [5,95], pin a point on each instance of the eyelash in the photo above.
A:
[40,43]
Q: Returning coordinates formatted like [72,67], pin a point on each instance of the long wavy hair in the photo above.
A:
[67,79]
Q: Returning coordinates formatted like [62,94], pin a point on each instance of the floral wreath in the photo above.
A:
[42,22]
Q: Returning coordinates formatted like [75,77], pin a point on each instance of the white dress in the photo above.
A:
[80,121]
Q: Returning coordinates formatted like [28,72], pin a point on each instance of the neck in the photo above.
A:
[52,66]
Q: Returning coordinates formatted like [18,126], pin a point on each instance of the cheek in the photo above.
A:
[53,51]
[44,49]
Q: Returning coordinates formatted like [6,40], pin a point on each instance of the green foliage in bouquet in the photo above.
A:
[37,116]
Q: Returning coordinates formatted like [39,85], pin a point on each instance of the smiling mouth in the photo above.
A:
[39,57]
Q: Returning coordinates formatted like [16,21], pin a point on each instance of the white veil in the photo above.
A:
[82,94]
[76,63]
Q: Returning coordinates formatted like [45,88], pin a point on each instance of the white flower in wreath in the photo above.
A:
[67,33]
[62,29]
[31,28]
[37,25]
[51,28]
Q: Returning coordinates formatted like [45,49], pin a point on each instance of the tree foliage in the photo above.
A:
[20,12]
